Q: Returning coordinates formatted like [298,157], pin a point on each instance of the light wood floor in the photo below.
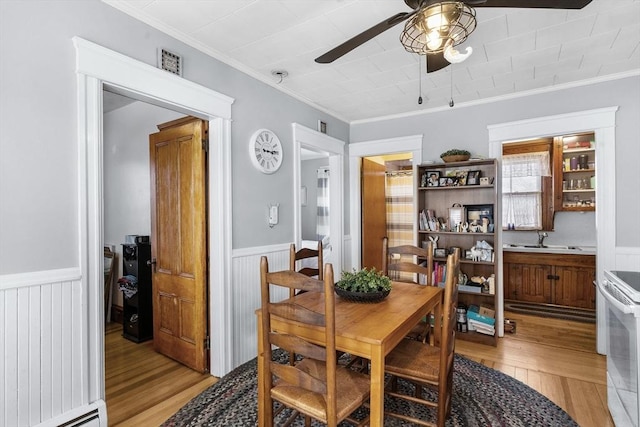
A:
[555,357]
[143,387]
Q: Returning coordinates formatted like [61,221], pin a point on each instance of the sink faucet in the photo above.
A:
[541,237]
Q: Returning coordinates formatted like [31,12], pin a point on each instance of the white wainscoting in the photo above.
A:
[245,273]
[628,258]
[43,348]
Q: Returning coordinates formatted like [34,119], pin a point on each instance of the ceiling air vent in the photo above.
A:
[170,62]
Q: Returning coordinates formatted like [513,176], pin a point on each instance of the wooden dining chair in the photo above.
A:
[425,365]
[407,263]
[409,259]
[315,387]
[305,254]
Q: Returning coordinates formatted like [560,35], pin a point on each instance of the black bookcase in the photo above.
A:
[137,311]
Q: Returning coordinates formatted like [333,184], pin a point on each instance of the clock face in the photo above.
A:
[266,151]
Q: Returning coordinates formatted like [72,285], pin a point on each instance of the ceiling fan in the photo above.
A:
[434,27]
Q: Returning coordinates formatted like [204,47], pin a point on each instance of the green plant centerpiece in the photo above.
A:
[366,285]
[455,155]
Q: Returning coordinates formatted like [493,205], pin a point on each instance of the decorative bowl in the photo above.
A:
[362,296]
[456,158]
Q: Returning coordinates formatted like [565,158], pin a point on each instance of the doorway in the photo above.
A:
[357,151]
[329,151]
[97,68]
[387,205]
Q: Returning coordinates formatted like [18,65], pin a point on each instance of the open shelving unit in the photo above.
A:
[477,198]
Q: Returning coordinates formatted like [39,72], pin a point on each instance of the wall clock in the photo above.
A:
[265,151]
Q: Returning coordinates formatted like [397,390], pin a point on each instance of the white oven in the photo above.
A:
[621,290]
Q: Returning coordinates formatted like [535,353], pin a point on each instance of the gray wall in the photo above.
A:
[466,127]
[38,129]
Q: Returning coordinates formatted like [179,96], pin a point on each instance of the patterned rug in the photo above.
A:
[482,397]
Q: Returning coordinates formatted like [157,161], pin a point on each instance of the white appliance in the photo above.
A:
[621,290]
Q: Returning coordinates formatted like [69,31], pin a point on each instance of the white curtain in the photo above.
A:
[322,224]
[522,189]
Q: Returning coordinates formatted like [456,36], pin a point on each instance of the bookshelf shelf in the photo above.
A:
[439,207]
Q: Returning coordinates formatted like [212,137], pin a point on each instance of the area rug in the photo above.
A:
[481,397]
[565,313]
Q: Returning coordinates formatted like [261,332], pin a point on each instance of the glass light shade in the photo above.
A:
[438,25]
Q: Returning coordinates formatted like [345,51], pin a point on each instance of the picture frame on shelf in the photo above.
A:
[479,216]
[462,177]
[433,179]
[473,178]
[448,181]
[467,254]
[440,253]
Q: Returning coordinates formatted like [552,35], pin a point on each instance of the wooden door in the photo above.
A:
[374,213]
[574,286]
[178,241]
[527,282]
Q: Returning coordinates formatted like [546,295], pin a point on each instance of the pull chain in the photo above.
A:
[419,82]
[451,103]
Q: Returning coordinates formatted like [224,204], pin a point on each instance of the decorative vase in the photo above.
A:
[456,158]
[362,296]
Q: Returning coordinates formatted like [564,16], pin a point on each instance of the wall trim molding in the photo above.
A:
[304,137]
[259,250]
[505,97]
[37,278]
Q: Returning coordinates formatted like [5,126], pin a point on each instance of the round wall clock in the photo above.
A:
[265,151]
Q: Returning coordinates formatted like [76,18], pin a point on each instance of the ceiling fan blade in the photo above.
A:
[530,4]
[363,37]
[436,61]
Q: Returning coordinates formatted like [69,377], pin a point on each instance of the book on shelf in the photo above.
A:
[423,221]
[473,314]
[432,221]
[480,327]
[470,288]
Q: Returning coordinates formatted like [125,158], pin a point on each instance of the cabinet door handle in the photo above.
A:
[552,277]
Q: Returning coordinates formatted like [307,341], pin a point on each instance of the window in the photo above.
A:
[527,191]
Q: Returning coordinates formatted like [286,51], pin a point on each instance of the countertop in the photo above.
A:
[554,249]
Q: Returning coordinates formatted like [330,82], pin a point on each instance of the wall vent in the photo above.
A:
[169,61]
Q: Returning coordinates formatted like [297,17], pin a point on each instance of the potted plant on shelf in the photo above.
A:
[455,155]
[363,286]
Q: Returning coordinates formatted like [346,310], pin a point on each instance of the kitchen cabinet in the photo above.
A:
[575,169]
[545,278]
[456,202]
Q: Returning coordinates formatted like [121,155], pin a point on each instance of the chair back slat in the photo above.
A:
[297,313]
[395,259]
[297,345]
[298,378]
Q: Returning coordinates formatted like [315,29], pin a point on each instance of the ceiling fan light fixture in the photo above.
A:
[437,26]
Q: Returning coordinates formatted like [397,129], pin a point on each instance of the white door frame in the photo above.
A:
[357,151]
[96,67]
[602,121]
[304,137]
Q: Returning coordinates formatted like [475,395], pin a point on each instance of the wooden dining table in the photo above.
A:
[369,330]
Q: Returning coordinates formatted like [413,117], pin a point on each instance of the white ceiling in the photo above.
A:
[516,51]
